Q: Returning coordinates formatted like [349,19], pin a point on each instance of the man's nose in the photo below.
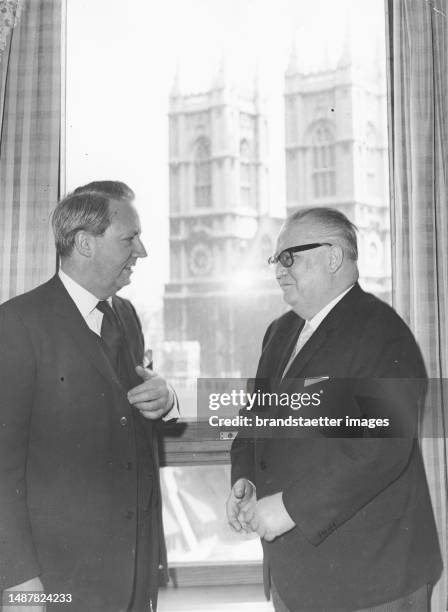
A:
[280,270]
[139,248]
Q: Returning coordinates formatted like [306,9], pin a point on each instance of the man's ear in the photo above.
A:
[84,243]
[336,257]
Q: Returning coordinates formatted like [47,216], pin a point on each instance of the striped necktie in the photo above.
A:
[304,336]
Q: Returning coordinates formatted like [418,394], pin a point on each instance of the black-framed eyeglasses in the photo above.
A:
[286,257]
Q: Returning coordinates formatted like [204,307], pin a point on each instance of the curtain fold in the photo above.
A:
[418,81]
[30,97]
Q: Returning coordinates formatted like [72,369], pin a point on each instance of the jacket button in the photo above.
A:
[123,421]
[263,465]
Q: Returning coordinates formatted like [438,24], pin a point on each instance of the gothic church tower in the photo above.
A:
[218,204]
[336,151]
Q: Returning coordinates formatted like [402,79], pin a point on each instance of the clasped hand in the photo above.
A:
[268,516]
[152,396]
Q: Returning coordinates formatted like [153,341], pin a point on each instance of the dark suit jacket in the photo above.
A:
[70,445]
[365,531]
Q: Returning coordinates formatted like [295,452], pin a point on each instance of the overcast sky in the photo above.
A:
[121,61]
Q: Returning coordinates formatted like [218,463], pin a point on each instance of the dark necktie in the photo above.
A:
[111,333]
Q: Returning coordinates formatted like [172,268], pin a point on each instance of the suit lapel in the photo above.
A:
[133,349]
[131,340]
[278,349]
[289,343]
[309,350]
[65,310]
[321,336]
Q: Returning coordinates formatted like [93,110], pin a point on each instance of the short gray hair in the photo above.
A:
[333,223]
[86,208]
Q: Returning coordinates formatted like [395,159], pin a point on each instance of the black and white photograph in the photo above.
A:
[223,305]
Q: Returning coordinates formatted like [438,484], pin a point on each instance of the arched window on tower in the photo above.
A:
[202,174]
[246,175]
[324,183]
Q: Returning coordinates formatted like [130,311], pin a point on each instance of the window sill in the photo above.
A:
[234,598]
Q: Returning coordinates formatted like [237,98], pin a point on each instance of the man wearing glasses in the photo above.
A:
[345,519]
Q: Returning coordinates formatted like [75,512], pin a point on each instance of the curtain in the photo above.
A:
[418,78]
[30,105]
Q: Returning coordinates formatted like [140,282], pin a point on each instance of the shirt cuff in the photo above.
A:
[173,412]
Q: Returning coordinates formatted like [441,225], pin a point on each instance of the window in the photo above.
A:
[245,174]
[203,174]
[323,162]
[174,181]
[195,525]
[224,148]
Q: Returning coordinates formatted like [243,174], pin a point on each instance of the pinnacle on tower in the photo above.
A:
[293,64]
[175,87]
[221,79]
[347,55]
[326,63]
[257,80]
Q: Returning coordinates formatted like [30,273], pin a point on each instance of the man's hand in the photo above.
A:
[242,498]
[152,397]
[32,585]
[269,518]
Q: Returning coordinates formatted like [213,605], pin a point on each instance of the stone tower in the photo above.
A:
[336,151]
[220,234]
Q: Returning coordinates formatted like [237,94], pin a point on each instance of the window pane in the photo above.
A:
[194,517]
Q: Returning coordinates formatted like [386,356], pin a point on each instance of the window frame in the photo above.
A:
[193,443]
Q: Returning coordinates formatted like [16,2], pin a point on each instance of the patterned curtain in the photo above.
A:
[30,115]
[418,82]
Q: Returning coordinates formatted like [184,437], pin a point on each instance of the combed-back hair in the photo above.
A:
[116,190]
[333,224]
[86,208]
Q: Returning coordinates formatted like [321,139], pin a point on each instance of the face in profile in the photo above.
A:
[304,283]
[116,252]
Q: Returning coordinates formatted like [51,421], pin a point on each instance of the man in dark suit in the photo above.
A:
[345,519]
[80,507]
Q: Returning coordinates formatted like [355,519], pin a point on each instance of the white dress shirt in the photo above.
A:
[320,316]
[86,303]
[311,325]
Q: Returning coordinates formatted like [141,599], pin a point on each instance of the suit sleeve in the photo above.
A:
[356,470]
[18,558]
[242,457]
